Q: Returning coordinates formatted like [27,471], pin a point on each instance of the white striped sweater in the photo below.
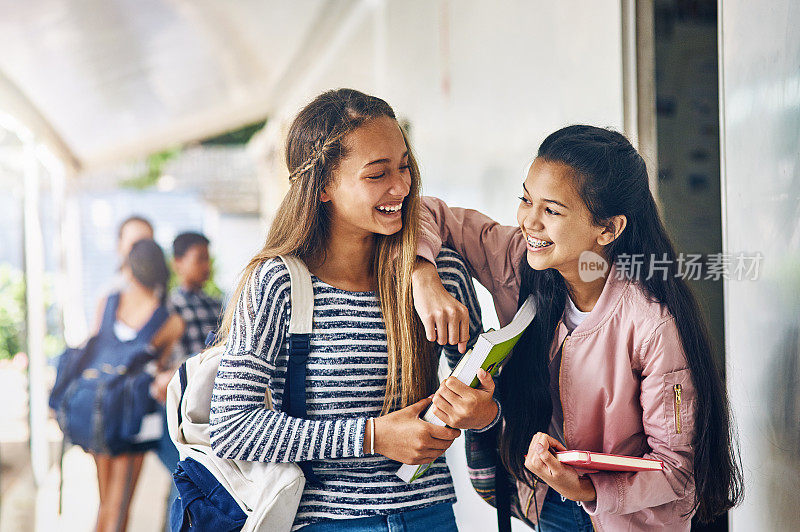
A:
[345,385]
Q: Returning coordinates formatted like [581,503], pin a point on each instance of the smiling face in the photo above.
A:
[556,223]
[369,186]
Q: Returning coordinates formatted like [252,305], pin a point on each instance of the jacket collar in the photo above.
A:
[607,303]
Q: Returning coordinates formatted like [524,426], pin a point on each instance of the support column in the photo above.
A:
[639,82]
[35,315]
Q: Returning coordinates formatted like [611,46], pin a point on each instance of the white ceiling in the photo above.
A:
[103,81]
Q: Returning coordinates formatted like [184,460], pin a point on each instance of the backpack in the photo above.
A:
[500,490]
[217,494]
[102,391]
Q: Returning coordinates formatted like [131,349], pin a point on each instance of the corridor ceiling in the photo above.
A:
[104,81]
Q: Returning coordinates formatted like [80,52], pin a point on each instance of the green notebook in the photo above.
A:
[488,353]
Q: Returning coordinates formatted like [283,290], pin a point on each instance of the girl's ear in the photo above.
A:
[332,185]
[614,227]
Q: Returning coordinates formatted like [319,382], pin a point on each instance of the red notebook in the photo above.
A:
[590,461]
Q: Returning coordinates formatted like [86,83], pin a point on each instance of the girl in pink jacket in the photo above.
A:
[618,359]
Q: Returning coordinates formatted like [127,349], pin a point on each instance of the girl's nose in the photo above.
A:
[533,220]
[401,184]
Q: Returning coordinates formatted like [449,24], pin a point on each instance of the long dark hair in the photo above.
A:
[148,266]
[611,178]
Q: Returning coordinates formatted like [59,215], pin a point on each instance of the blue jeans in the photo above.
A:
[436,518]
[166,450]
[563,515]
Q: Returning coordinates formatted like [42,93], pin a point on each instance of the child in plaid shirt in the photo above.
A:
[200,312]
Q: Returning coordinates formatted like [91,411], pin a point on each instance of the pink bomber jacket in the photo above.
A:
[625,384]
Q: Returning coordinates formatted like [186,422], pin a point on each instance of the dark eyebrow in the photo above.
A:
[545,199]
[384,161]
[556,202]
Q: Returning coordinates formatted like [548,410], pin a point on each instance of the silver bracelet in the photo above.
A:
[372,436]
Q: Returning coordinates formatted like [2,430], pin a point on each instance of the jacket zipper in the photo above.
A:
[564,420]
[528,503]
[561,389]
[677,390]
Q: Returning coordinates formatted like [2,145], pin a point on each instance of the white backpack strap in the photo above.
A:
[302,295]
[300,329]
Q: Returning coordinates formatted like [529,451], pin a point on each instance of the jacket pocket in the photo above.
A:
[679,407]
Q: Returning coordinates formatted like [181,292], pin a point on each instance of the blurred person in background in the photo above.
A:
[200,311]
[146,275]
[131,230]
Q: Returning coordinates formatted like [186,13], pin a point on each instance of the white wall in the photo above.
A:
[760,117]
[517,71]
[234,241]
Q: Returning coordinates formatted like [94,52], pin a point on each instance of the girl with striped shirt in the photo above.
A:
[351,215]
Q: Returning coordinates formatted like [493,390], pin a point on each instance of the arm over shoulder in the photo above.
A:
[493,252]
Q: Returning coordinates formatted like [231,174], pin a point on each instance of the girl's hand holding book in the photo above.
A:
[563,478]
[463,407]
[446,319]
[404,437]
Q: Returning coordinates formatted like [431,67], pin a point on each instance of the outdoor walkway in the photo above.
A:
[22,509]
[21,503]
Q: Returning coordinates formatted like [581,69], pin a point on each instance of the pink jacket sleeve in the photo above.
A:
[493,252]
[669,426]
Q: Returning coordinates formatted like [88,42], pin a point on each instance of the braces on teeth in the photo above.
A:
[538,243]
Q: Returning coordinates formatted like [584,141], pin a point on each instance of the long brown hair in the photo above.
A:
[315,146]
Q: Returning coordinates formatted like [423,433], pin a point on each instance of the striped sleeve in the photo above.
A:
[458,282]
[242,427]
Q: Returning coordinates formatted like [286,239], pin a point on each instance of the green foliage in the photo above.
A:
[12,314]
[155,167]
[157,161]
[12,311]
[237,136]
[211,288]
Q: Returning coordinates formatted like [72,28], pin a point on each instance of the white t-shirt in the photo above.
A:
[572,315]
[124,332]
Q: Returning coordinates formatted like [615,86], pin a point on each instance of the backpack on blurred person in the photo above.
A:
[102,391]
[217,494]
